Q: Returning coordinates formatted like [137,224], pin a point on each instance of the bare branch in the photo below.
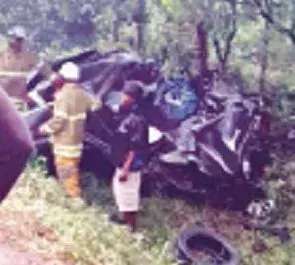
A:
[202,50]
[289,32]
[217,49]
[233,30]
[223,56]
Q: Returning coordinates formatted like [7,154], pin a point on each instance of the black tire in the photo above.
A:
[193,237]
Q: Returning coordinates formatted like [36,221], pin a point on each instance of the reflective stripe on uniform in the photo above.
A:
[71,147]
[76,117]
[68,150]
[68,154]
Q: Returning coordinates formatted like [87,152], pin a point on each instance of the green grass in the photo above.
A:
[91,239]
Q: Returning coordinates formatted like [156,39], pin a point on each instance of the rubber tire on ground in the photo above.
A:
[183,250]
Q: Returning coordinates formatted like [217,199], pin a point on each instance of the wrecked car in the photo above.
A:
[203,139]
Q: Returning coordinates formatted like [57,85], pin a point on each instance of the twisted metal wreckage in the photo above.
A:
[205,137]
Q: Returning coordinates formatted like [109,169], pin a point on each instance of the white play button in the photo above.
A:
[154,134]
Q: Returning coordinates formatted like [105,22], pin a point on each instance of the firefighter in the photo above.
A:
[15,64]
[66,127]
[127,177]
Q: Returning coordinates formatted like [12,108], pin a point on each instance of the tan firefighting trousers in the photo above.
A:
[68,173]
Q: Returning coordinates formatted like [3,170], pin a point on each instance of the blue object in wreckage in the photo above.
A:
[137,163]
[177,99]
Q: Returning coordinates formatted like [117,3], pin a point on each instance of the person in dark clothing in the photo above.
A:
[127,177]
[16,145]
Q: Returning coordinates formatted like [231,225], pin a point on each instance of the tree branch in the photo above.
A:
[223,56]
[202,51]
[217,49]
[289,32]
[233,30]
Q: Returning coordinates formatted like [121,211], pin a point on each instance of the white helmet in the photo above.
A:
[70,71]
[18,31]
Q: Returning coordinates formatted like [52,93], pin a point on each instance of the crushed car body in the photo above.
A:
[202,139]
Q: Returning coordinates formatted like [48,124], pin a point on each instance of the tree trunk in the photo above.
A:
[116,27]
[264,57]
[223,55]
[202,50]
[116,23]
[65,10]
[141,26]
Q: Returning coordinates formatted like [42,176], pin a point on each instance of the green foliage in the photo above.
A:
[84,230]
[170,32]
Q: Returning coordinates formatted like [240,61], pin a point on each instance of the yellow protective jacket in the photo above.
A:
[66,127]
[16,62]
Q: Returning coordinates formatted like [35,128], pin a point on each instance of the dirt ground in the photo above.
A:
[24,241]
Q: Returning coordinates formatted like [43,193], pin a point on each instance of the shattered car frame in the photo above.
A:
[204,139]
